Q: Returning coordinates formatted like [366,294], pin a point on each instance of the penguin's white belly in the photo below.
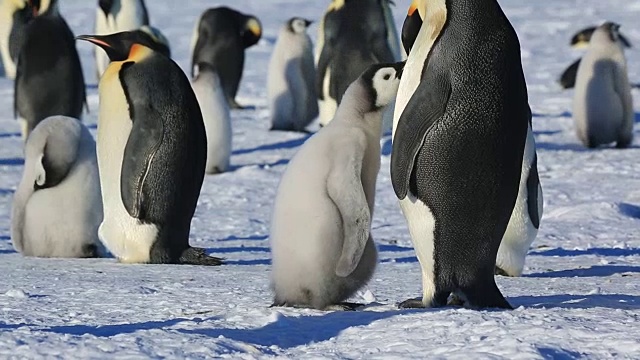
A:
[599,108]
[520,232]
[127,238]
[217,124]
[6,22]
[328,106]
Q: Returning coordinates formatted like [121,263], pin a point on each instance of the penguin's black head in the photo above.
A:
[118,45]
[411,27]
[582,38]
[251,30]
[613,29]
[381,82]
[105,6]
[298,25]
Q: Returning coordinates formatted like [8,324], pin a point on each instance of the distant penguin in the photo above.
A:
[14,15]
[114,16]
[220,39]
[581,41]
[151,154]
[460,129]
[347,47]
[57,207]
[49,79]
[602,104]
[217,120]
[321,244]
[291,78]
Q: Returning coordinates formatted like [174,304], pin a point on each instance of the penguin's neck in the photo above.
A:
[356,110]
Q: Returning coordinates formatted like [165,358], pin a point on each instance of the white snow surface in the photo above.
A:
[579,297]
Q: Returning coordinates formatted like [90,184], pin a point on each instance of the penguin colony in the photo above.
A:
[463,165]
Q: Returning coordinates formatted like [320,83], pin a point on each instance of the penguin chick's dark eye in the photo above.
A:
[387,77]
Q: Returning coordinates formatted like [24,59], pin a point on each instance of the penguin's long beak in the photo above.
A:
[399,69]
[96,39]
[112,44]
[308,22]
[411,27]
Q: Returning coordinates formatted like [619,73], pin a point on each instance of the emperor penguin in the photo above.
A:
[291,78]
[49,79]
[459,134]
[352,36]
[220,38]
[14,16]
[114,16]
[321,245]
[57,207]
[525,218]
[581,41]
[151,150]
[160,42]
[602,104]
[217,120]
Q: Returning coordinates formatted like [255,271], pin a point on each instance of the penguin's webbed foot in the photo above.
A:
[344,306]
[415,303]
[198,256]
[500,272]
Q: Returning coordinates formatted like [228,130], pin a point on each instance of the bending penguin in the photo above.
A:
[57,207]
[602,104]
[291,78]
[41,89]
[219,39]
[525,218]
[321,244]
[581,41]
[151,154]
[14,16]
[346,47]
[114,16]
[217,120]
[457,155]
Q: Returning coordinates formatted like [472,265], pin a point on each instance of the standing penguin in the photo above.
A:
[348,47]
[49,79]
[291,79]
[217,120]
[57,207]
[151,154]
[602,103]
[525,218]
[460,128]
[114,16]
[220,39]
[321,240]
[14,16]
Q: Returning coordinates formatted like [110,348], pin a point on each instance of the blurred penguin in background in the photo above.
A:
[219,39]
[291,78]
[14,16]
[352,36]
[602,104]
[114,16]
[49,78]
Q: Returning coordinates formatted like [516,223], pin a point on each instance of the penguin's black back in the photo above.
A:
[49,79]
[164,162]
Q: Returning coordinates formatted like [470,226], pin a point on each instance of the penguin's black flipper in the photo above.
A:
[198,256]
[533,181]
[426,106]
[568,78]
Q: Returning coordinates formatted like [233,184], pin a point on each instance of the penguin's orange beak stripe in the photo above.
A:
[412,8]
[98,42]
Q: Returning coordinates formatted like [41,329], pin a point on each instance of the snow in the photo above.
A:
[580,296]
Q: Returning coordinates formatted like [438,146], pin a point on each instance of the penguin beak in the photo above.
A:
[411,27]
[111,44]
[96,40]
[308,22]
[399,69]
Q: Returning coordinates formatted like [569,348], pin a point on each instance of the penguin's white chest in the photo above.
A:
[127,238]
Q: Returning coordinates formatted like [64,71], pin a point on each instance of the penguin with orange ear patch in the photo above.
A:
[151,150]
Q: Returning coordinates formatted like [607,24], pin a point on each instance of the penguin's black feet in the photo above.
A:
[485,295]
[198,256]
[455,300]
[412,304]
[500,272]
[344,306]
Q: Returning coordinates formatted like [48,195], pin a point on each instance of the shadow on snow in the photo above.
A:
[594,271]
[611,301]
[287,144]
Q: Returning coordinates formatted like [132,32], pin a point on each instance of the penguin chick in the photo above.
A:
[57,207]
[321,240]
[602,104]
[217,120]
[291,78]
[151,154]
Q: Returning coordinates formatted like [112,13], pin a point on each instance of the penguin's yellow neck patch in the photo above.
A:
[254,26]
[412,8]
[138,52]
[336,5]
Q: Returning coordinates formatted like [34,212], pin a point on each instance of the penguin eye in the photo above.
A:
[387,77]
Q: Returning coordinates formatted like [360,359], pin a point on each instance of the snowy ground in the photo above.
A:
[580,296]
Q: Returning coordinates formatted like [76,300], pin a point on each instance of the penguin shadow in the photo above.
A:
[610,301]
[6,192]
[233,168]
[9,251]
[287,144]
[387,146]
[630,210]
[10,135]
[251,237]
[548,353]
[113,330]
[593,271]
[12,162]
[292,331]
[613,252]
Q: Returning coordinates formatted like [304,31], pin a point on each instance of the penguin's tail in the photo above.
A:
[198,256]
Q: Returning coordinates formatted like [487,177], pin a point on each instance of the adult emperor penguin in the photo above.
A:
[151,154]
[220,38]
[291,78]
[217,120]
[525,218]
[57,207]
[14,15]
[348,47]
[114,16]
[581,41]
[49,79]
[602,104]
[460,128]
[321,244]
